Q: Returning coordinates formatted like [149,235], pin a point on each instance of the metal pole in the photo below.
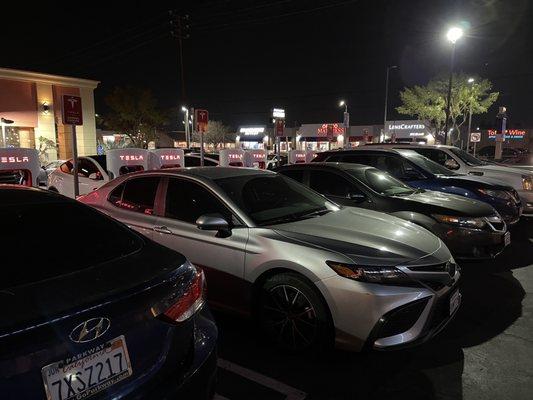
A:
[449,97]
[475,143]
[187,129]
[469,126]
[3,135]
[75,162]
[386,99]
[201,149]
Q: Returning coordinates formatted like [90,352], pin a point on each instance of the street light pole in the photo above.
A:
[470,80]
[187,130]
[387,95]
[453,35]
[346,123]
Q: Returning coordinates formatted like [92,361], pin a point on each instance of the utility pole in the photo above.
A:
[387,97]
[501,122]
[179,29]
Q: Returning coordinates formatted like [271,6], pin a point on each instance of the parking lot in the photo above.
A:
[486,352]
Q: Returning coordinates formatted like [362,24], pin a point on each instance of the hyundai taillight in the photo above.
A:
[187,300]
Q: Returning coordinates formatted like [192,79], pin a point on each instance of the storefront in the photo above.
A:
[252,137]
[30,112]
[407,131]
[320,137]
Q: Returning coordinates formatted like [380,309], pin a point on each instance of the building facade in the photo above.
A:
[30,111]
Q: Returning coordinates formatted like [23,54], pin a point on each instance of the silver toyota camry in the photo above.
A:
[313,273]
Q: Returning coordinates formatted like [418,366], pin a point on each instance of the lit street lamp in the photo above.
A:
[453,35]
[346,123]
[387,95]
[186,122]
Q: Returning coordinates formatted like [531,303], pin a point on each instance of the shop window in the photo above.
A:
[19,137]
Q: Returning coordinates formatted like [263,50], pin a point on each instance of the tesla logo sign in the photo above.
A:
[14,159]
[170,157]
[131,158]
[299,155]
[234,157]
[72,111]
[90,330]
[201,118]
[258,156]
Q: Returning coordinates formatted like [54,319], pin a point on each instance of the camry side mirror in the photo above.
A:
[450,163]
[214,222]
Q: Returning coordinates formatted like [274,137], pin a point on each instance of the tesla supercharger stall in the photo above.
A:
[309,155]
[255,158]
[231,158]
[124,161]
[168,158]
[19,166]
[297,157]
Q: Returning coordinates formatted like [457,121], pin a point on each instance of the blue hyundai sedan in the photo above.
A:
[420,172]
[91,308]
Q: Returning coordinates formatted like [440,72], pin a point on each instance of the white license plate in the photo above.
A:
[455,300]
[507,238]
[88,373]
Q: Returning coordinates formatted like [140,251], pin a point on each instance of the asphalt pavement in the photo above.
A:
[486,352]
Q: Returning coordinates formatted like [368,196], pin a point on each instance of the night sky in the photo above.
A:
[244,57]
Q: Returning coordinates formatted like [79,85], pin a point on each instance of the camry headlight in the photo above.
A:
[499,194]
[383,275]
[465,222]
[527,182]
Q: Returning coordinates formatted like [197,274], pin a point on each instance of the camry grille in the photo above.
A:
[448,267]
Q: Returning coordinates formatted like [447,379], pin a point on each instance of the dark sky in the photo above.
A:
[244,57]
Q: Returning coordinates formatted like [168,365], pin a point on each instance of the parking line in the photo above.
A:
[290,392]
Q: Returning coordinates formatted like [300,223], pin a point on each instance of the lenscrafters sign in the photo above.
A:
[406,129]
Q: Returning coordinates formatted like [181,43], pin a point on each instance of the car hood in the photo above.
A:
[474,181]
[511,175]
[449,204]
[367,238]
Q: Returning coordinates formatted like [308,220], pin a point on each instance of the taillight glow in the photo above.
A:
[189,302]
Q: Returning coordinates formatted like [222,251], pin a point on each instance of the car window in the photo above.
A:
[73,232]
[86,168]
[273,198]
[186,201]
[138,195]
[436,155]
[67,167]
[364,159]
[296,174]
[191,161]
[330,184]
[398,167]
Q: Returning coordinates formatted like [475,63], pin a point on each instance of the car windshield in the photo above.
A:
[467,158]
[274,199]
[383,183]
[426,164]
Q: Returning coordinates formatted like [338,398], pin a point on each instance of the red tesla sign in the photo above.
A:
[201,118]
[280,127]
[72,114]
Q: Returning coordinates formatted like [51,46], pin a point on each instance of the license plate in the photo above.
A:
[88,373]
[455,300]
[507,238]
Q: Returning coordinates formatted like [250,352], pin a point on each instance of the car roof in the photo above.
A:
[206,172]
[362,149]
[417,145]
[17,194]
[329,165]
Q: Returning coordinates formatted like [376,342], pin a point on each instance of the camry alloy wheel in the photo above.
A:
[290,317]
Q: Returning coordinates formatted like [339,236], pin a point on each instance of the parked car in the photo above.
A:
[469,228]
[462,162]
[92,307]
[52,165]
[420,172]
[92,173]
[273,161]
[509,154]
[194,159]
[310,271]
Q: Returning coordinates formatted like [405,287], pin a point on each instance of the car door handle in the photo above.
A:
[162,229]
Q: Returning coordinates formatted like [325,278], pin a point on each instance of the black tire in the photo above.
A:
[293,314]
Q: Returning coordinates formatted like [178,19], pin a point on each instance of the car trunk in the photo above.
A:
[38,322]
